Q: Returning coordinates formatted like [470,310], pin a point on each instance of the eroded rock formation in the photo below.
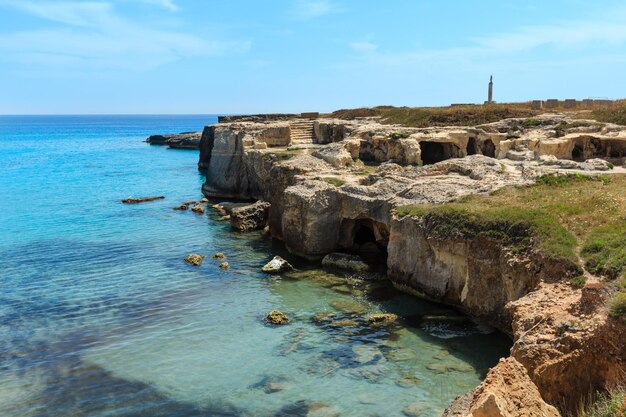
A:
[338,194]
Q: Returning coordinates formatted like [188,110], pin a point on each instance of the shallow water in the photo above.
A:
[100,317]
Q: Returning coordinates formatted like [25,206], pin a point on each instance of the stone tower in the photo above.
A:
[490,94]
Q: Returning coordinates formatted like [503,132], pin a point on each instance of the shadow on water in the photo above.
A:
[79,389]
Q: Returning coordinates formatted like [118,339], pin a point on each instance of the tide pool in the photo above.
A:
[99,315]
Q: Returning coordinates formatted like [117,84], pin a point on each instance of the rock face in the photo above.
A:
[338,194]
[345,261]
[252,217]
[276,266]
[186,140]
[506,391]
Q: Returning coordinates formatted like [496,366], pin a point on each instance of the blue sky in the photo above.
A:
[236,56]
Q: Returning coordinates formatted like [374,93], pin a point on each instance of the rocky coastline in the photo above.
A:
[326,186]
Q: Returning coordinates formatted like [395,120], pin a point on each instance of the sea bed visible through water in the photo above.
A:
[100,316]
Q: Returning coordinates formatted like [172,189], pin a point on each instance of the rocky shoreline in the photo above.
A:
[326,186]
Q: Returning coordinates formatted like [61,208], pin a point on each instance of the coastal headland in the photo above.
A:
[511,215]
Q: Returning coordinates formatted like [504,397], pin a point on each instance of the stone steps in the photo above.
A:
[302,132]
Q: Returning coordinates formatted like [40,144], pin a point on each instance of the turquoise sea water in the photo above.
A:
[100,317]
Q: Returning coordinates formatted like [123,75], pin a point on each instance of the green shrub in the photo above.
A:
[578,281]
[396,136]
[617,305]
[612,404]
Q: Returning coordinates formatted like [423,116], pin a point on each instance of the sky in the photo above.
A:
[259,56]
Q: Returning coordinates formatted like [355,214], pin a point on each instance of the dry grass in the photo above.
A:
[462,115]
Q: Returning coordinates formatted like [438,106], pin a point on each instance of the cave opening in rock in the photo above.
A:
[577,153]
[488,148]
[366,238]
[433,152]
[471,147]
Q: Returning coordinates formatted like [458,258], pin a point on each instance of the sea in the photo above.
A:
[101,317]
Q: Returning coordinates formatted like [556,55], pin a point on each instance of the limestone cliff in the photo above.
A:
[338,191]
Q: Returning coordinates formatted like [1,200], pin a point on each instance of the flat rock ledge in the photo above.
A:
[345,261]
[185,140]
[142,199]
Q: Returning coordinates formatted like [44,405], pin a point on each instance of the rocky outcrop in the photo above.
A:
[194,259]
[276,266]
[142,199]
[185,140]
[339,192]
[508,391]
[251,217]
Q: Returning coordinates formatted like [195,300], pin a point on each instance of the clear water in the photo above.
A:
[100,317]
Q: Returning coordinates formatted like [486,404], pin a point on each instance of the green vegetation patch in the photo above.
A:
[514,226]
[559,215]
[604,250]
[334,181]
[396,136]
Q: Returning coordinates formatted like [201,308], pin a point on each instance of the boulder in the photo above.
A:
[194,259]
[345,261]
[248,218]
[224,265]
[182,207]
[277,318]
[276,266]
[595,164]
[219,255]
[335,154]
[198,208]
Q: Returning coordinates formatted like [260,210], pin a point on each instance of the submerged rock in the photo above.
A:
[142,199]
[248,218]
[194,259]
[415,410]
[204,200]
[408,381]
[345,261]
[198,208]
[348,307]
[219,255]
[382,318]
[224,265]
[276,317]
[276,266]
[321,410]
[182,207]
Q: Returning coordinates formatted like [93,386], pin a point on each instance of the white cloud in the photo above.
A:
[166,4]
[364,46]
[584,38]
[93,36]
[311,9]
